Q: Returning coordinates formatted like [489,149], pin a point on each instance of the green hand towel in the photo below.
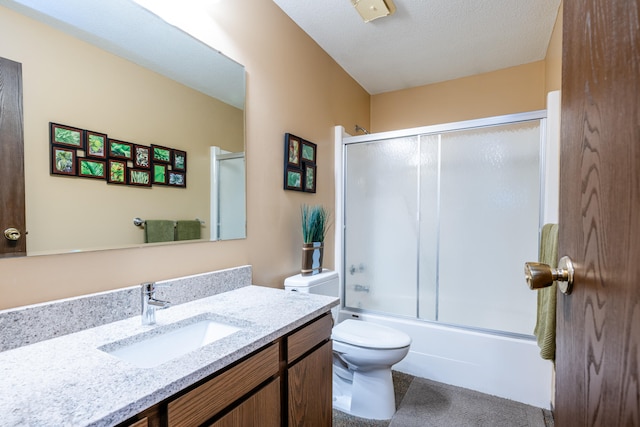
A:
[545,330]
[188,230]
[159,230]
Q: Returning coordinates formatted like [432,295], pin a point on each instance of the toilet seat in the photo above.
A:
[369,335]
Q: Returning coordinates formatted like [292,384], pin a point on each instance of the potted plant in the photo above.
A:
[315,222]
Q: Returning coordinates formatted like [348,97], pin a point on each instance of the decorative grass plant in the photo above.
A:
[315,222]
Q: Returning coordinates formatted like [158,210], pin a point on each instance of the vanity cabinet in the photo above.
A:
[286,383]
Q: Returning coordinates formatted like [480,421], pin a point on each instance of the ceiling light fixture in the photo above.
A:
[374,9]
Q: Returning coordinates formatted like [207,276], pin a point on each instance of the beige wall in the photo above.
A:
[70,82]
[292,86]
[511,90]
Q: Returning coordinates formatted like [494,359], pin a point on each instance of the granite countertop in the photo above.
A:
[69,381]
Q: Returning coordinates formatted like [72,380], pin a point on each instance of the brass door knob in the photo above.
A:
[540,275]
[12,234]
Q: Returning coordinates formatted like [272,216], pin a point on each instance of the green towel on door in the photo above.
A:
[159,230]
[545,330]
[188,230]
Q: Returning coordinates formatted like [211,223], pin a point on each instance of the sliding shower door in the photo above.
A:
[381,227]
[489,210]
[439,225]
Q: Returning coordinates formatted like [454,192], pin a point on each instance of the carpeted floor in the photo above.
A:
[425,403]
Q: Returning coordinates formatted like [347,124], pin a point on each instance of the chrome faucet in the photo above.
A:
[150,304]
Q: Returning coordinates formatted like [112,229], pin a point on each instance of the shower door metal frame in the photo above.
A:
[342,139]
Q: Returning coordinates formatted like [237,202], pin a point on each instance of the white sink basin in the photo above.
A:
[158,349]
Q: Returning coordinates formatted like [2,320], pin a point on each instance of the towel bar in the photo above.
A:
[139,222]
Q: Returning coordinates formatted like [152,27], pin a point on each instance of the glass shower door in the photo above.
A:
[381,227]
[488,226]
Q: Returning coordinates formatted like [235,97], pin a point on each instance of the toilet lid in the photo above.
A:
[366,334]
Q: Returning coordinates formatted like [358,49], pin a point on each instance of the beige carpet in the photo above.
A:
[425,403]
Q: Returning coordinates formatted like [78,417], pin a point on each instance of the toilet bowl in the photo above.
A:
[363,354]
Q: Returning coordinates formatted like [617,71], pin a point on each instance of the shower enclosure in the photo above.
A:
[228,205]
[439,221]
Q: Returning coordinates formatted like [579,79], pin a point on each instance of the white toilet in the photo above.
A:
[363,354]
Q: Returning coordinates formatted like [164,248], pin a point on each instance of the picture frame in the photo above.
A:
[179,160]
[117,172]
[120,149]
[293,179]
[139,177]
[309,178]
[66,136]
[292,146]
[141,156]
[160,175]
[161,154]
[91,168]
[63,161]
[96,144]
[308,152]
[177,179]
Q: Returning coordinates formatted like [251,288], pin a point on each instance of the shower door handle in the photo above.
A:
[539,275]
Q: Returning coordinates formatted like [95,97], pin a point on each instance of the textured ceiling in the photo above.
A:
[427,41]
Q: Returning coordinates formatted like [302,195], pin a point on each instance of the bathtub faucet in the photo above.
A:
[361,288]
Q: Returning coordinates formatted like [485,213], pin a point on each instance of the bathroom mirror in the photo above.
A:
[116,68]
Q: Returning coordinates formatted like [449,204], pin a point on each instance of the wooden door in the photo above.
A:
[11,159]
[598,342]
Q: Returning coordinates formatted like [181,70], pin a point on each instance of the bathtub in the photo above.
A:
[498,365]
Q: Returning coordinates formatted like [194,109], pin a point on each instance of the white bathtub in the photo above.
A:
[497,365]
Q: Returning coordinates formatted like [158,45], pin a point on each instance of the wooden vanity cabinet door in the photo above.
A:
[212,397]
[262,409]
[310,382]
[140,423]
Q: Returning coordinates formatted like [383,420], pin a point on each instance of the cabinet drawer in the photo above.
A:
[207,400]
[306,338]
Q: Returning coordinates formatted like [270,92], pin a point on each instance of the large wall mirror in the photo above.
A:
[115,68]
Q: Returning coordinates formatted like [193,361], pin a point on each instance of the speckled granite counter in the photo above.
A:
[68,381]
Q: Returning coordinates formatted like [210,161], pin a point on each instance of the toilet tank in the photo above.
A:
[325,283]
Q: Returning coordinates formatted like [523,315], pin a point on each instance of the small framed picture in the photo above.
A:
[179,160]
[139,177]
[160,174]
[120,149]
[90,168]
[292,150]
[117,172]
[96,145]
[293,179]
[161,154]
[309,178]
[63,161]
[141,156]
[66,135]
[177,179]
[308,152]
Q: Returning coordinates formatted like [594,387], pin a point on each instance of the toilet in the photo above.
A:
[363,354]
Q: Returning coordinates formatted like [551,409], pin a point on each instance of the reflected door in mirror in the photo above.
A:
[12,214]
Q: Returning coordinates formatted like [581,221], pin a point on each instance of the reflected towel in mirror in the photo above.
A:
[159,230]
[188,230]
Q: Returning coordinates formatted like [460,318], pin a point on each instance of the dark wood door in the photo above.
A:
[598,342]
[11,159]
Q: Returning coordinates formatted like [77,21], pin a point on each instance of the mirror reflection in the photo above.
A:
[139,80]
